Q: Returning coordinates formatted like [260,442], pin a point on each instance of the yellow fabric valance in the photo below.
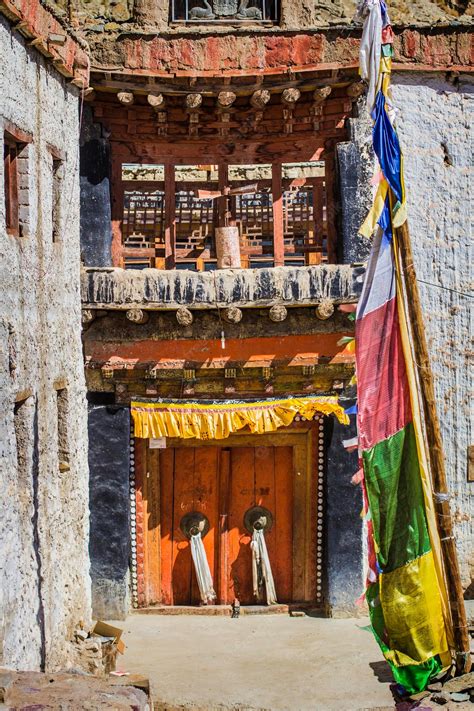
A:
[218,420]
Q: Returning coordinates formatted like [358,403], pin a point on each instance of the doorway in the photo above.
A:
[222,480]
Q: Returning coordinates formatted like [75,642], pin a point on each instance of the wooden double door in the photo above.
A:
[222,481]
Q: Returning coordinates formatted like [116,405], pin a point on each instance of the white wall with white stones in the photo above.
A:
[44,569]
[435,127]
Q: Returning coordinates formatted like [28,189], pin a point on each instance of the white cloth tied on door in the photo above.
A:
[261,568]
[201,566]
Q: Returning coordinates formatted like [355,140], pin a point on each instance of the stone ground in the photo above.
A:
[260,662]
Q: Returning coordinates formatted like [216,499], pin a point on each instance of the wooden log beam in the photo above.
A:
[434,451]
[126,98]
[321,93]
[290,96]
[226,99]
[156,101]
[193,101]
[260,98]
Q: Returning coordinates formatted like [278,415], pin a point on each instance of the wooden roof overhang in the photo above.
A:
[291,116]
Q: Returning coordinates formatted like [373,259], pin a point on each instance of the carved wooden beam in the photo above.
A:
[158,103]
[277,313]
[225,99]
[316,111]
[259,100]
[289,98]
[193,102]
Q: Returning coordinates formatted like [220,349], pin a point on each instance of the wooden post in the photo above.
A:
[278,238]
[435,452]
[116,198]
[170,216]
[223,539]
[329,171]
[222,201]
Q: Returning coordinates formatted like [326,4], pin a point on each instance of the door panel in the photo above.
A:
[223,483]
[242,486]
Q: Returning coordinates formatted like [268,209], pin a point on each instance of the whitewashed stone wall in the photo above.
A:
[44,570]
[435,128]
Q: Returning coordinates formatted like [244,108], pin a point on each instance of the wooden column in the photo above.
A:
[278,244]
[222,201]
[116,200]
[170,217]
[330,180]
[315,256]
[435,452]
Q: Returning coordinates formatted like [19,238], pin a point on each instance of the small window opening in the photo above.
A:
[63,430]
[15,164]
[57,189]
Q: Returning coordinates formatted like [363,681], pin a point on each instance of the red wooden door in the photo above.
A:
[223,483]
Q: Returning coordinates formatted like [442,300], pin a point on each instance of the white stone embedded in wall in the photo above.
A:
[44,569]
[435,127]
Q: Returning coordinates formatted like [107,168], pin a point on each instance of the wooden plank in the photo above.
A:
[283,565]
[278,242]
[153,526]
[299,522]
[223,577]
[167,506]
[205,500]
[182,572]
[241,498]
[170,216]
[311,519]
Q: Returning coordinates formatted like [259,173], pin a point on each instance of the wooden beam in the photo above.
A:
[260,98]
[170,216]
[278,243]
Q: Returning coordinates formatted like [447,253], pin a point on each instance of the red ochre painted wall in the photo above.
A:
[208,353]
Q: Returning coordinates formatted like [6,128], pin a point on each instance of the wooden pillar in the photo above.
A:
[315,255]
[330,175]
[116,200]
[277,193]
[222,201]
[170,217]
[435,452]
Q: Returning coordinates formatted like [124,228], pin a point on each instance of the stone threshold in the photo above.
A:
[226,610]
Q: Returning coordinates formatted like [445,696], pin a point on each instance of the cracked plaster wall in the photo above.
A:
[435,129]
[44,569]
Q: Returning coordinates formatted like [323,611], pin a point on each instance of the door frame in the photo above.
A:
[305,438]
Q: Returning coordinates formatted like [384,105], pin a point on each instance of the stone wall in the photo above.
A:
[109,464]
[44,576]
[435,128]
[110,15]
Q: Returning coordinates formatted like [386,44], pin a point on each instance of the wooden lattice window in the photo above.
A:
[170,221]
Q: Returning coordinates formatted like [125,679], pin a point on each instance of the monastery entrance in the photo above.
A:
[223,479]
